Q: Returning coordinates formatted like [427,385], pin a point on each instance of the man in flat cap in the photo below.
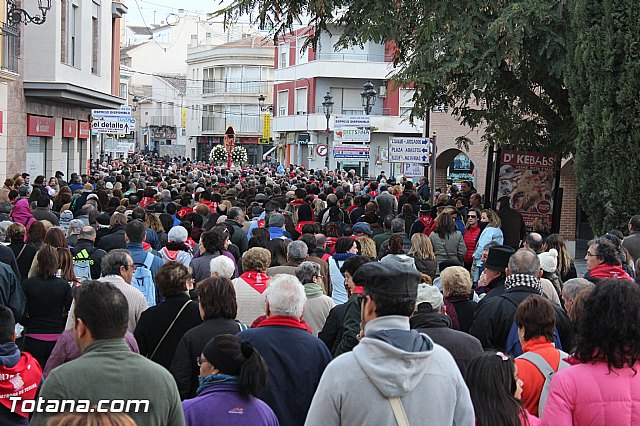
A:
[385,378]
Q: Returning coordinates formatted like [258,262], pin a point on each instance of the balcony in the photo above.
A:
[319,109]
[242,124]
[160,120]
[353,57]
[10,52]
[234,86]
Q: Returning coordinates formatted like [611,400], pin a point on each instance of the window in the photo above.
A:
[65,27]
[301,101]
[95,39]
[303,55]
[283,51]
[406,102]
[283,102]
[124,91]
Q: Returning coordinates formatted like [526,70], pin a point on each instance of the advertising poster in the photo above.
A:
[528,179]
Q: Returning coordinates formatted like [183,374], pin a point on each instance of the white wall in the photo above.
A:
[42,47]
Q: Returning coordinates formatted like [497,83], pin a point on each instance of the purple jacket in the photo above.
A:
[67,350]
[222,404]
[588,394]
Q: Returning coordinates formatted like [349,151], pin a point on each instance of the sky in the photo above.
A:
[162,8]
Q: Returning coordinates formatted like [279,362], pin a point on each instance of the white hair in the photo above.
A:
[222,266]
[286,297]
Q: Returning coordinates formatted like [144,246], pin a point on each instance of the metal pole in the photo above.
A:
[433,164]
[425,132]
[326,158]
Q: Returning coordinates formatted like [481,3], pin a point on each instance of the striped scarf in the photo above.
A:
[522,280]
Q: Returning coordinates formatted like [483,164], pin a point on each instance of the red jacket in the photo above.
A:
[532,379]
[471,240]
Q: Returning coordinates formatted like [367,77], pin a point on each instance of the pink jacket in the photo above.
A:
[587,394]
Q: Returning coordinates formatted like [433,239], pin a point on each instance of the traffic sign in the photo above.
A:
[353,135]
[346,121]
[409,150]
[113,125]
[412,169]
[123,112]
[322,150]
[350,152]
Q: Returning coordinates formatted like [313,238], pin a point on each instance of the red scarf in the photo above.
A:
[285,322]
[184,211]
[300,225]
[20,380]
[257,280]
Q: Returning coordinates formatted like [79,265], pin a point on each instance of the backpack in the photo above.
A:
[547,372]
[513,347]
[82,265]
[143,280]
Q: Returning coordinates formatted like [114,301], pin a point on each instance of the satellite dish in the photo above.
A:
[172,19]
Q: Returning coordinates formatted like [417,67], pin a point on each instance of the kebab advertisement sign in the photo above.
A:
[528,179]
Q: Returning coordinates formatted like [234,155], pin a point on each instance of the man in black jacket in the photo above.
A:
[494,319]
[430,318]
[84,251]
[494,271]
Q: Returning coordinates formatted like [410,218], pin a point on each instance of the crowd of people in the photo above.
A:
[186,294]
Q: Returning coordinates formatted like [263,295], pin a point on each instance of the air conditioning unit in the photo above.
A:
[382,91]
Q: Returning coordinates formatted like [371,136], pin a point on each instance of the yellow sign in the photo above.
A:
[266,128]
[184,118]
[264,141]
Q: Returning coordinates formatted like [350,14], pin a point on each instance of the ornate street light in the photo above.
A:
[368,97]
[264,108]
[327,106]
[16,15]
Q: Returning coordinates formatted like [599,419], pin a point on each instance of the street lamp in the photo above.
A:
[16,15]
[264,108]
[327,106]
[368,97]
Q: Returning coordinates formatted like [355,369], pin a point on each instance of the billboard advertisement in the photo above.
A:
[528,179]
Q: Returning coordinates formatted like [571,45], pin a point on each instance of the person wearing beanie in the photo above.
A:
[232,375]
[549,267]
[177,249]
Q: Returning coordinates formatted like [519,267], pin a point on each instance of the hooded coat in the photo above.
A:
[392,361]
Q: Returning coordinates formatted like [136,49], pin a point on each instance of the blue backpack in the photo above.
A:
[512,346]
[143,280]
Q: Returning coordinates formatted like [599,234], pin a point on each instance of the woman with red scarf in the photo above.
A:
[251,284]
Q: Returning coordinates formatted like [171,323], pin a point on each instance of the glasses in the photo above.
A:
[201,360]
[502,356]
[472,216]
[591,254]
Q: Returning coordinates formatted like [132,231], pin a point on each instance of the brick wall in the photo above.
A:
[569,202]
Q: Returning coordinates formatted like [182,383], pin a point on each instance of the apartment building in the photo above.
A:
[225,82]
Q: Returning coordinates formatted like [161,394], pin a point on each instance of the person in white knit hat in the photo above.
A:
[549,267]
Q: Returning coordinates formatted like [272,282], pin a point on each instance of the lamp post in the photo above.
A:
[327,106]
[368,97]
[16,15]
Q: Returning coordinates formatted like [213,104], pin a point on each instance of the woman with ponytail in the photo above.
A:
[232,376]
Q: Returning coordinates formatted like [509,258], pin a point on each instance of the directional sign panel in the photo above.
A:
[353,135]
[350,152]
[113,125]
[124,112]
[346,121]
[409,150]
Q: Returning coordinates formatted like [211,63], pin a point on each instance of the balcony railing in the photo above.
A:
[241,123]
[10,47]
[319,109]
[238,86]
[353,57]
[161,120]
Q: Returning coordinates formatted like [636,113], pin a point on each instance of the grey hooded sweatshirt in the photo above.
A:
[391,361]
